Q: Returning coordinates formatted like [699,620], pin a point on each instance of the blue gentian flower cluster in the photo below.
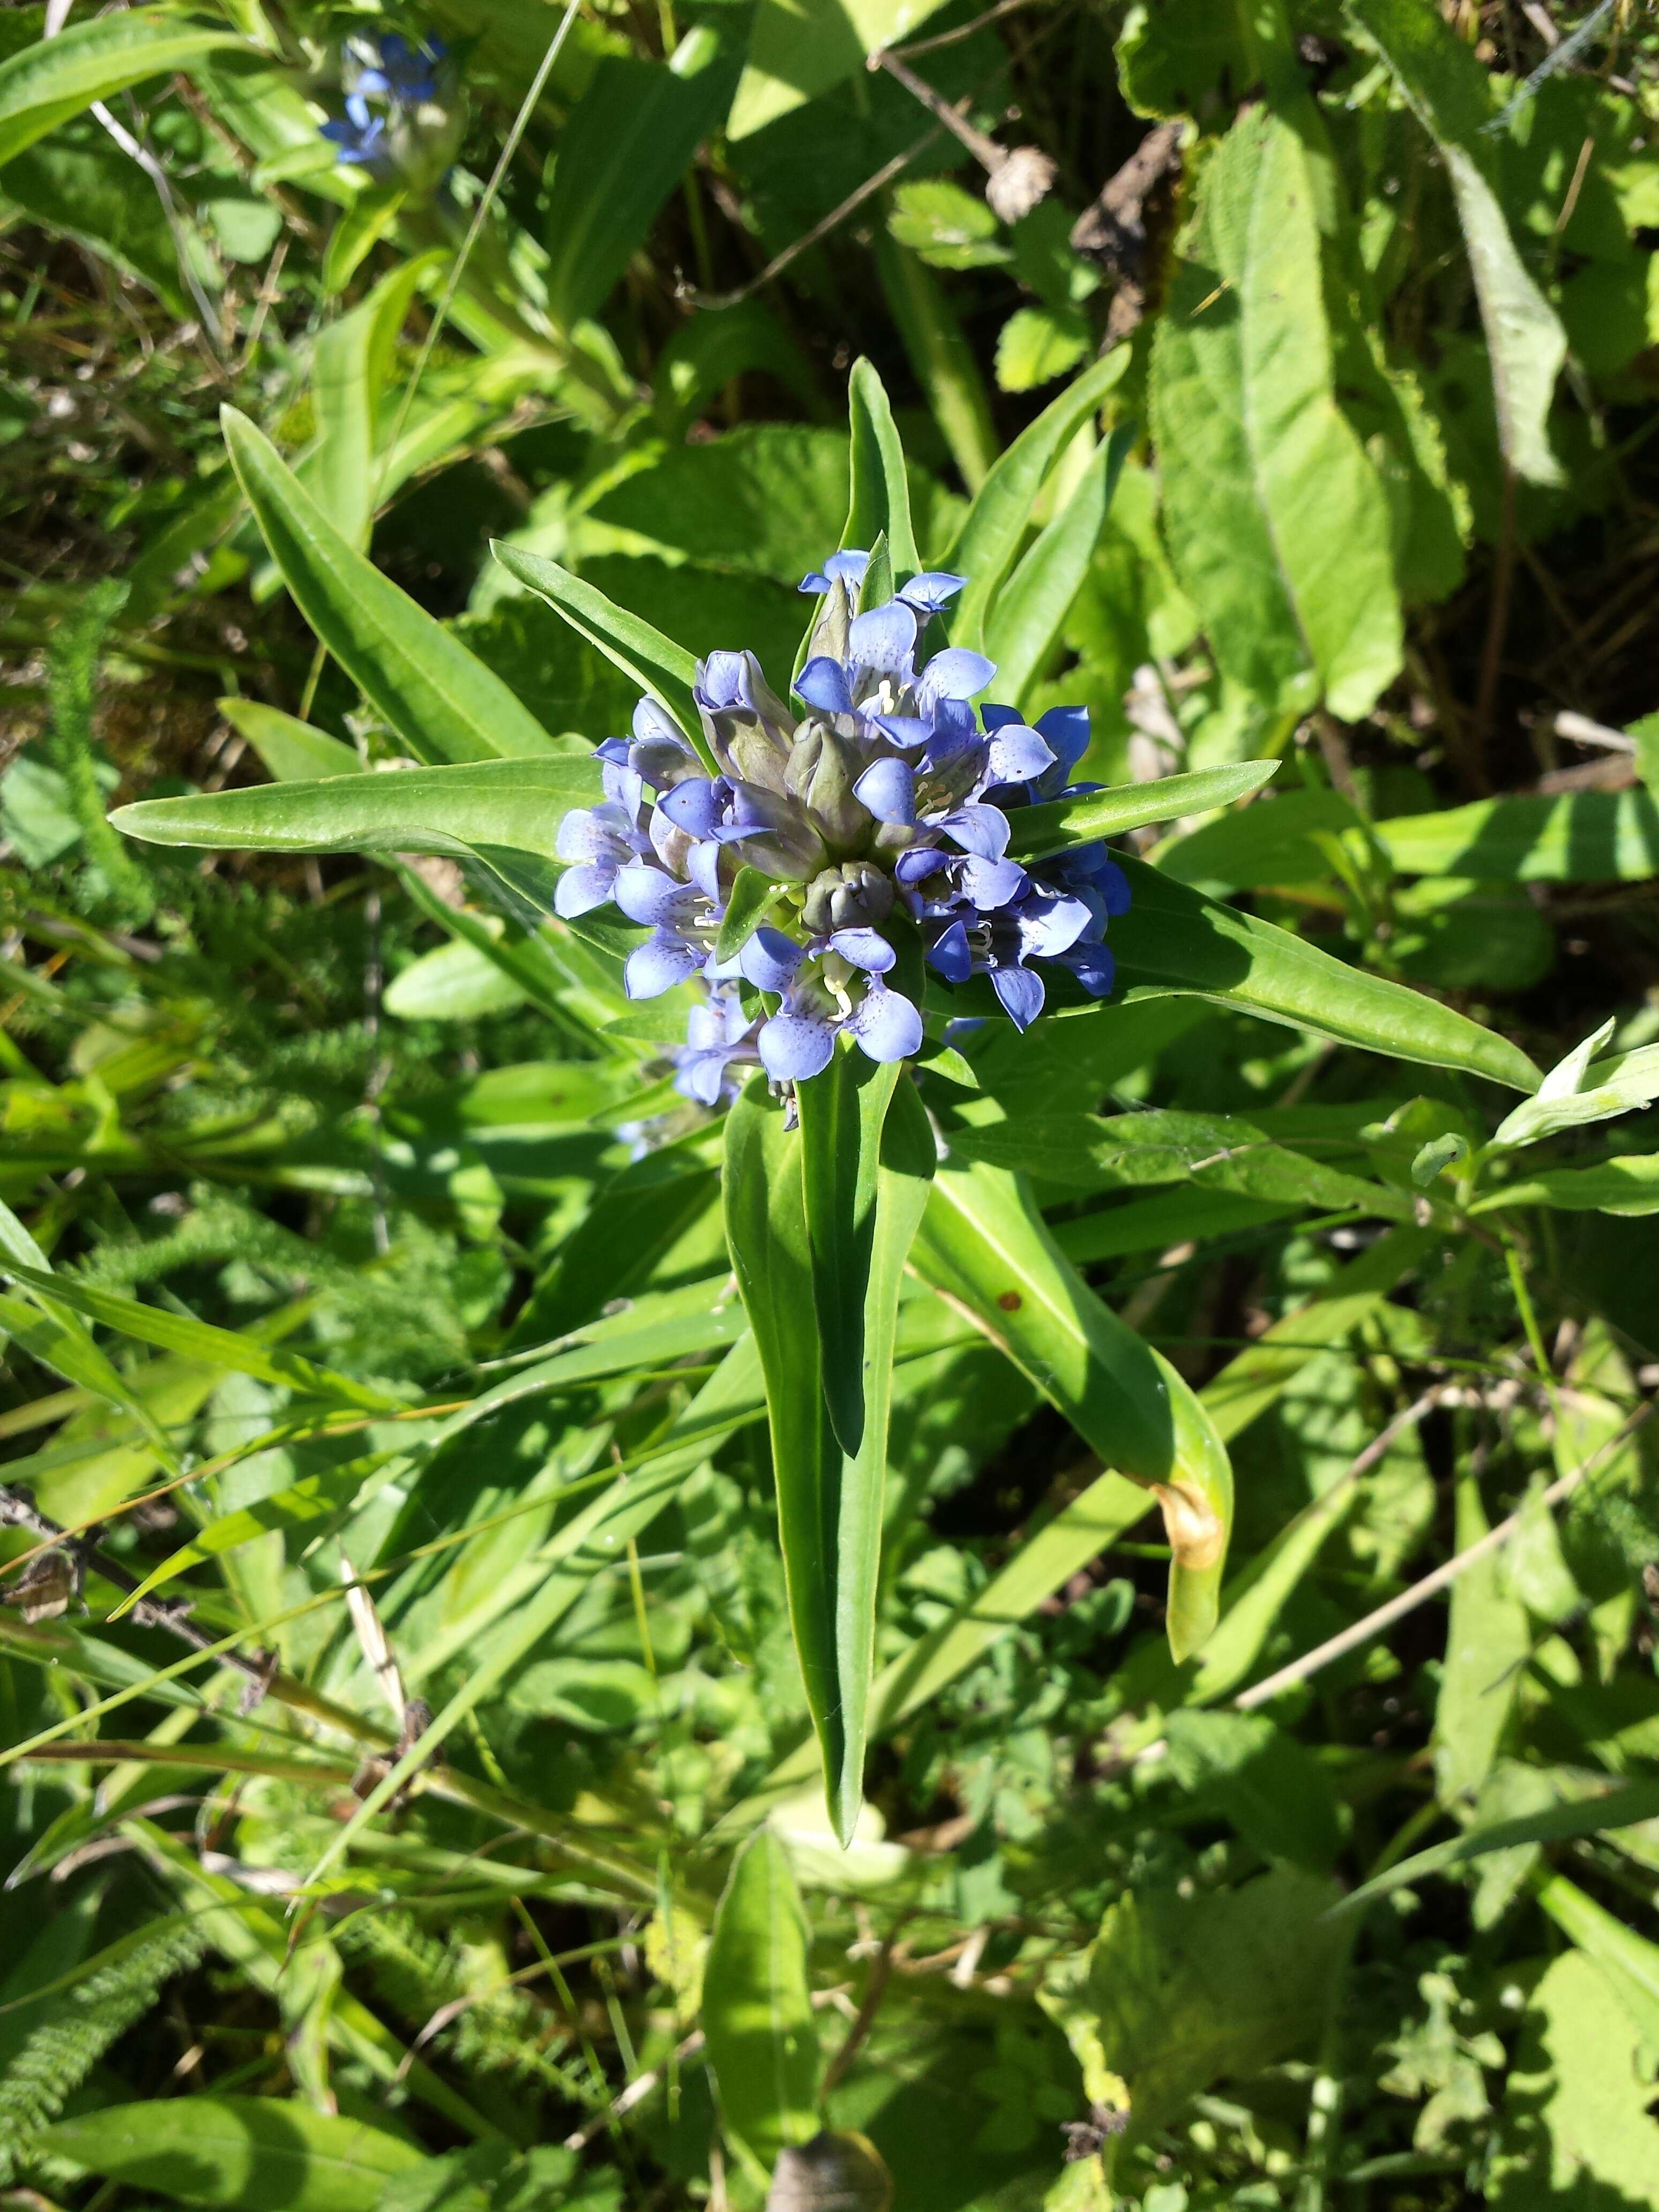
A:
[399,74]
[880,804]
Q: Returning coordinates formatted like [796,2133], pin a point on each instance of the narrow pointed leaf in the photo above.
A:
[292,750]
[994,527]
[752,898]
[428,810]
[1025,621]
[842,1112]
[52,80]
[1174,938]
[829,1502]
[985,1245]
[880,499]
[442,701]
[758,2004]
[1063,823]
[656,663]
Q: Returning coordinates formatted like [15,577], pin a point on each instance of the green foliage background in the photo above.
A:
[441,1828]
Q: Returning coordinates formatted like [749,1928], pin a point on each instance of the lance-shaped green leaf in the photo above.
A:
[798,51]
[292,750]
[842,1114]
[1024,624]
[879,503]
[1629,1185]
[349,363]
[758,2004]
[1055,827]
[442,701]
[1174,938]
[994,526]
[985,1245]
[752,897]
[623,149]
[1450,94]
[264,2154]
[1262,474]
[238,1354]
[1623,1807]
[49,82]
[1579,837]
[518,803]
[1582,1089]
[829,1502]
[656,663]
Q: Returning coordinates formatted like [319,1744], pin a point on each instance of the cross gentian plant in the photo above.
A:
[879,804]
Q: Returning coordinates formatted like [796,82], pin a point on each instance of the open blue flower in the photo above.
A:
[360,138]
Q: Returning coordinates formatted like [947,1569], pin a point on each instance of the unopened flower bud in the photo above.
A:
[853,896]
[823,769]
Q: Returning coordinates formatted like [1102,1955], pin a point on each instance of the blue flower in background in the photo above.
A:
[400,77]
[405,73]
[877,804]
[360,138]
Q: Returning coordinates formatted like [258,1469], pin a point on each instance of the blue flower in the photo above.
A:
[878,803]
[405,73]
[362,137]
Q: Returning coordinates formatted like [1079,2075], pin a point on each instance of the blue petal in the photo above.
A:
[997,717]
[1093,966]
[917,861]
[991,884]
[694,805]
[952,955]
[652,720]
[885,1024]
[723,681]
[907,730]
[1067,729]
[794,1048]
[888,788]
[1050,926]
[884,639]
[613,749]
[701,1075]
[658,964]
[956,673]
[864,948]
[1018,754]
[769,960]
[647,894]
[579,891]
[702,865]
[930,592]
[1021,992]
[823,683]
[977,828]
